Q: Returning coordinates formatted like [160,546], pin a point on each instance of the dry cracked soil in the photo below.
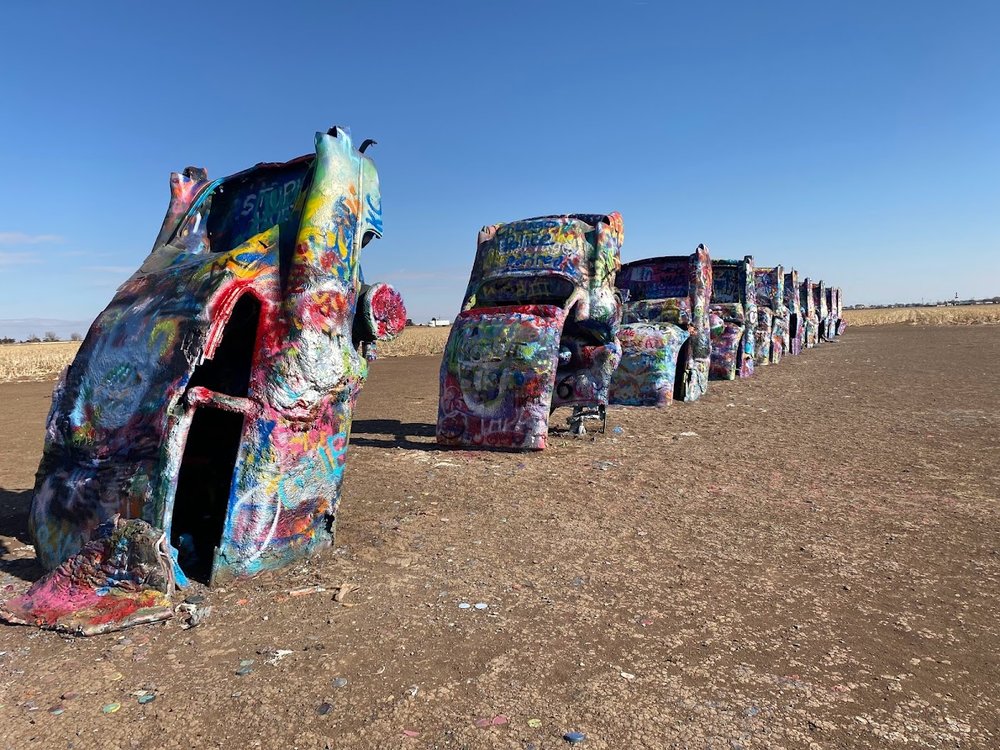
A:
[807,559]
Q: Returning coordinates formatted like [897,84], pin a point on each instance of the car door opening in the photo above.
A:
[211,449]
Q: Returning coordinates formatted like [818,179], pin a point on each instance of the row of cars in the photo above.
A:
[201,431]
[551,318]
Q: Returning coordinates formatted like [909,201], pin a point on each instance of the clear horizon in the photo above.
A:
[854,143]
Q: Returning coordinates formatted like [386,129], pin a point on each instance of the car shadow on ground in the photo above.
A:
[15,559]
[413,435]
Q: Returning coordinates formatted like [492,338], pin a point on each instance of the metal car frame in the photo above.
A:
[213,397]
[841,320]
[795,336]
[807,306]
[732,319]
[772,315]
[665,334]
[822,311]
[538,330]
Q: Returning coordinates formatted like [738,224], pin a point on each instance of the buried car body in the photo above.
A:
[213,397]
[665,334]
[538,330]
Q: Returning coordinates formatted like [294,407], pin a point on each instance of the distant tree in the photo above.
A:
[8,340]
[51,336]
[409,321]
[75,336]
[33,339]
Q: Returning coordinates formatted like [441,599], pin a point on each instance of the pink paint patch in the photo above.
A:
[92,592]
[388,311]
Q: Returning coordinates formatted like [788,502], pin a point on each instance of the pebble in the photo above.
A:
[56,710]
[534,723]
[340,682]
[110,708]
[244,671]
[574,738]
[464,605]
[481,605]
[324,709]
[147,697]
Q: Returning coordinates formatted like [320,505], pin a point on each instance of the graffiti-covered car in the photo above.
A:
[835,318]
[841,321]
[772,316]
[822,309]
[733,318]
[807,307]
[212,398]
[831,313]
[795,335]
[665,335]
[538,330]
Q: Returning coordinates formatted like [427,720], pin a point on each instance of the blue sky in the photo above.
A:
[855,141]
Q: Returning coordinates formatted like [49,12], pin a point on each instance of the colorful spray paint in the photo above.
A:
[538,330]
[772,316]
[829,323]
[212,398]
[665,334]
[822,311]
[835,307]
[123,576]
[841,321]
[732,319]
[795,336]
[807,304]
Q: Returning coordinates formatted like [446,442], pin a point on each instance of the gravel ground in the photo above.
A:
[808,559]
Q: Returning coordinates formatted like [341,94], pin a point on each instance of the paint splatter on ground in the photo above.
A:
[823,572]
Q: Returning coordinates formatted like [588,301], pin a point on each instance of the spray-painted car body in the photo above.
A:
[772,316]
[835,321]
[831,313]
[796,334]
[841,324]
[822,311]
[538,330]
[807,306]
[732,318]
[212,398]
[665,333]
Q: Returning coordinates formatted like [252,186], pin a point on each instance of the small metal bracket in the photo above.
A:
[581,413]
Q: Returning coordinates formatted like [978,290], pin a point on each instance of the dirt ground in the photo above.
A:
[806,559]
